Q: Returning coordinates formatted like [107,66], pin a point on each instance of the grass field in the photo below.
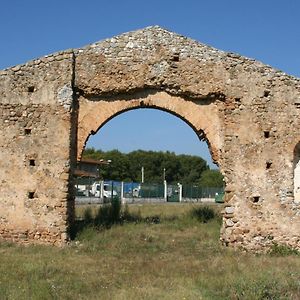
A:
[169,255]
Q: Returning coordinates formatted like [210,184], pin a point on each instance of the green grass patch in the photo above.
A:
[177,257]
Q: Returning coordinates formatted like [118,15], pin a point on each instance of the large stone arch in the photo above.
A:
[248,112]
[203,119]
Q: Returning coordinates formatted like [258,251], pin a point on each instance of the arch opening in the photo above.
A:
[95,115]
[200,117]
[199,134]
[203,117]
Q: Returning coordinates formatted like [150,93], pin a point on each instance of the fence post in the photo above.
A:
[101,189]
[122,193]
[180,192]
[112,191]
[165,190]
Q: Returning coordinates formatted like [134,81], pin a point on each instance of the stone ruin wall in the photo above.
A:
[257,117]
[35,125]
[253,136]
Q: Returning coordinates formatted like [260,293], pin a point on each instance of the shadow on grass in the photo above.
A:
[108,215]
[114,214]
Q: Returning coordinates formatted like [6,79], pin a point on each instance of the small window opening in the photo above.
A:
[268,165]
[175,57]
[266,93]
[31,195]
[31,162]
[266,134]
[255,199]
[27,131]
[31,89]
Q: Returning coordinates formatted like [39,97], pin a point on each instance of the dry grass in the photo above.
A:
[179,258]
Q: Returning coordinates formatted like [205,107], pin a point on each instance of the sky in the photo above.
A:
[267,30]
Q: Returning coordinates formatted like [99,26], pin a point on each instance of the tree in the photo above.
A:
[211,178]
[118,167]
[127,167]
[191,168]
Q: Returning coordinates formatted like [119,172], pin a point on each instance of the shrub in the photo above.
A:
[152,219]
[282,250]
[130,217]
[115,213]
[87,216]
[108,214]
[203,214]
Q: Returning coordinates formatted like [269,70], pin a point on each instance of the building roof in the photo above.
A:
[92,161]
[82,173]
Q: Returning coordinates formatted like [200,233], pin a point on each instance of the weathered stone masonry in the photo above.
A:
[247,112]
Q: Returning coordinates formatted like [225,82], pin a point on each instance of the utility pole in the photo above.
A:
[164,174]
[142,174]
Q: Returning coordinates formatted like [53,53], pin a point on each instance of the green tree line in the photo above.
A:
[186,169]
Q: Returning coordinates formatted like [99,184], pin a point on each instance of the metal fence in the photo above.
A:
[149,190]
[198,192]
[89,190]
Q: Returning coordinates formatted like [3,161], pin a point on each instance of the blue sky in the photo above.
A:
[267,30]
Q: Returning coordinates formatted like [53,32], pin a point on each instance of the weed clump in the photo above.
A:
[152,219]
[130,217]
[203,214]
[282,250]
[88,216]
[108,214]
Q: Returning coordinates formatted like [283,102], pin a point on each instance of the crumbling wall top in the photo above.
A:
[157,58]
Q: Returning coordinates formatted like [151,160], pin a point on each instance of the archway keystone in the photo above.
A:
[247,112]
